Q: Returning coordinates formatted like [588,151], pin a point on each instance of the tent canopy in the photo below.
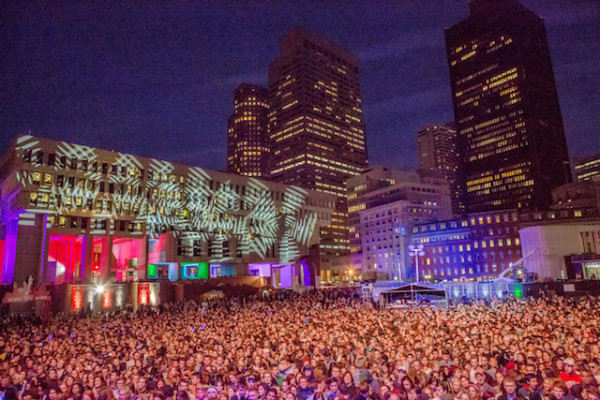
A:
[414,292]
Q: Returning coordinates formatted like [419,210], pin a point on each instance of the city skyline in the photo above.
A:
[96,81]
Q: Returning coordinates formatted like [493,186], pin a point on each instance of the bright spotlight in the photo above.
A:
[99,289]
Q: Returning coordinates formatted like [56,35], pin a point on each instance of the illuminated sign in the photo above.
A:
[77,297]
[143,293]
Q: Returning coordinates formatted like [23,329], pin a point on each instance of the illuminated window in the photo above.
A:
[36,177]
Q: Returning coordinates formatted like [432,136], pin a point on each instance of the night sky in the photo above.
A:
[157,78]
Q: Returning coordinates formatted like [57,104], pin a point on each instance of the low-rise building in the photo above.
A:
[384,204]
[482,245]
[73,213]
[476,248]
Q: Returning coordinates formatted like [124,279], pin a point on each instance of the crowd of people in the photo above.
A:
[322,345]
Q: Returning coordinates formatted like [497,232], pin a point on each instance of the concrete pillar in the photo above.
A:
[134,287]
[87,257]
[10,252]
[44,251]
[145,256]
[275,277]
[296,278]
[241,269]
[106,263]
[71,264]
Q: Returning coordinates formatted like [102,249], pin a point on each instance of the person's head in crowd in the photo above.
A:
[473,392]
[241,392]
[262,390]
[407,383]
[463,396]
[590,393]
[364,388]
[212,393]
[569,365]
[594,367]
[480,377]
[303,382]
[559,389]
[251,382]
[272,394]
[587,378]
[53,393]
[335,372]
[456,387]
[509,385]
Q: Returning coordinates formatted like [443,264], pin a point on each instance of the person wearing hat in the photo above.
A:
[308,372]
[569,376]
[481,382]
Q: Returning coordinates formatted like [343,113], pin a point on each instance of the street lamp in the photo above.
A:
[416,251]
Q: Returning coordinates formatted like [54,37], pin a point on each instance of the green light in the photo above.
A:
[518,290]
[195,270]
[152,271]
[203,271]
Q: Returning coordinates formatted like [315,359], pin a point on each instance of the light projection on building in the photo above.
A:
[212,215]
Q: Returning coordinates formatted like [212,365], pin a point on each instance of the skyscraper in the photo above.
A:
[506,107]
[316,128]
[247,132]
[438,156]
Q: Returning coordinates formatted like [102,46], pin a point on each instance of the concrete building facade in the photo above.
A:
[384,204]
[73,213]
